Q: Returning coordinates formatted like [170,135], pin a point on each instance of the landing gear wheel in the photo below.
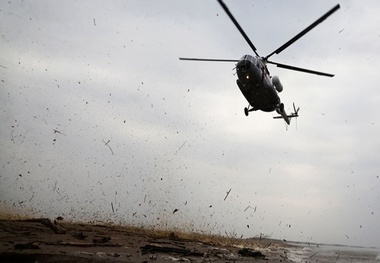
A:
[246,111]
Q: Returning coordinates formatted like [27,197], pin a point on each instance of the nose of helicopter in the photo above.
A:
[247,70]
[243,65]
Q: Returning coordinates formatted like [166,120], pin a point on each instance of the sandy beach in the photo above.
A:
[44,240]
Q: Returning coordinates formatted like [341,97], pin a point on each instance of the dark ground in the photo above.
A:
[41,240]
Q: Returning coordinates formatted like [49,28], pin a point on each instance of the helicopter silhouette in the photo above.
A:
[254,80]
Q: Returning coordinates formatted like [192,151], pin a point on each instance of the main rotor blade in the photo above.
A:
[238,26]
[302,33]
[301,69]
[210,59]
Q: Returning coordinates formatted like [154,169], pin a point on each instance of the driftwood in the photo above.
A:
[167,242]
[29,245]
[153,248]
[48,223]
[79,235]
[245,252]
[100,240]
[79,244]
[36,244]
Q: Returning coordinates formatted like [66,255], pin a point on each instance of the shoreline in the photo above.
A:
[43,240]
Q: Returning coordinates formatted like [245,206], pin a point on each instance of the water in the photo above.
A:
[330,253]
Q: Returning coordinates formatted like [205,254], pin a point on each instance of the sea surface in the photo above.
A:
[304,252]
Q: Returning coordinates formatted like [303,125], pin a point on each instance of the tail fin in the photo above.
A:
[286,117]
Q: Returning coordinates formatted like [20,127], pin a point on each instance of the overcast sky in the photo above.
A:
[100,121]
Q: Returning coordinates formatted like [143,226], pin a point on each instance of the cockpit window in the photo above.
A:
[249,58]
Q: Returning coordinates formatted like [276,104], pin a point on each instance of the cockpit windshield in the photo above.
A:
[246,62]
[249,58]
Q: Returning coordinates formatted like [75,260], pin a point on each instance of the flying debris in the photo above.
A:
[227,195]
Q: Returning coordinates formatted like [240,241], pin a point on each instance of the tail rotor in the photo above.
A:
[295,114]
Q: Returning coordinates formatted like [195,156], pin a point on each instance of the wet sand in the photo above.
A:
[41,240]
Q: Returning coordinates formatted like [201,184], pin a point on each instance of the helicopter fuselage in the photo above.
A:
[256,84]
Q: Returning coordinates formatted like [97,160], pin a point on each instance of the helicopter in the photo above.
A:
[254,80]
